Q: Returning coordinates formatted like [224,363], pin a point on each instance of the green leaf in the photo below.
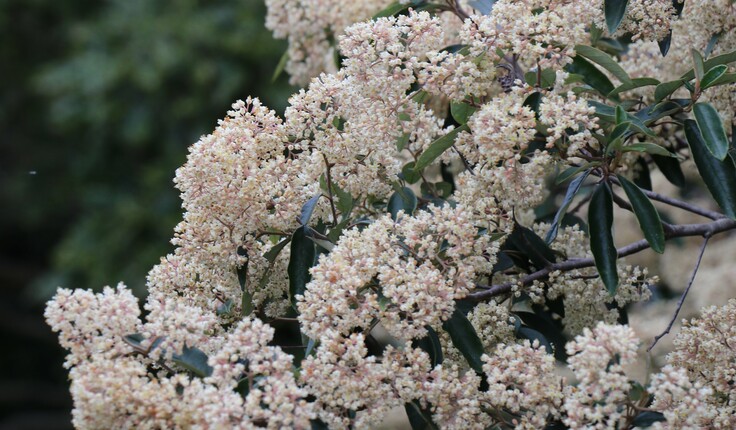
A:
[533,246]
[591,75]
[461,111]
[615,11]
[193,360]
[605,61]
[280,66]
[666,88]
[409,174]
[633,84]
[646,214]
[308,209]
[318,238]
[224,309]
[711,63]
[664,44]
[419,419]
[670,168]
[711,44]
[600,220]
[572,190]
[711,128]
[529,333]
[728,78]
[436,148]
[344,202]
[544,79]
[712,76]
[431,345]
[391,10]
[647,418]
[402,200]
[719,175]
[699,66]
[533,101]
[301,260]
[572,171]
[465,339]
[649,148]
[621,114]
[650,114]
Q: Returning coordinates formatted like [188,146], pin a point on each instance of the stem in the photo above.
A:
[329,190]
[684,294]
[684,230]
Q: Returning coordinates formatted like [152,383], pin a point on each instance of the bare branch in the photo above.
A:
[705,230]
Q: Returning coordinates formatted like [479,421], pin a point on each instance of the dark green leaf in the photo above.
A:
[465,339]
[344,202]
[461,111]
[300,261]
[533,101]
[605,61]
[670,168]
[544,79]
[620,114]
[647,418]
[318,424]
[572,171]
[419,419]
[600,220]
[591,75]
[642,178]
[728,78]
[711,128]
[656,112]
[436,148]
[193,360]
[633,84]
[531,334]
[712,76]
[409,174]
[646,215]
[719,176]
[666,88]
[664,44]
[483,6]
[308,209]
[431,345]
[402,200]
[323,241]
[275,250]
[533,246]
[402,141]
[711,63]
[391,10]
[711,44]
[615,11]
[699,66]
[572,190]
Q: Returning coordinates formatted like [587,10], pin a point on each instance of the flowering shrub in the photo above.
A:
[386,245]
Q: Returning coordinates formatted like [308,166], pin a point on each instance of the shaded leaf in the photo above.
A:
[572,190]
[465,339]
[711,128]
[670,168]
[591,75]
[667,88]
[544,79]
[419,419]
[633,84]
[649,148]
[461,111]
[647,418]
[615,11]
[193,360]
[308,209]
[531,334]
[280,66]
[431,345]
[719,176]
[533,246]
[300,261]
[712,76]
[600,220]
[646,215]
[727,58]
[403,199]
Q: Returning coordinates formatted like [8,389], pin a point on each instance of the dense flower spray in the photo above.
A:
[388,244]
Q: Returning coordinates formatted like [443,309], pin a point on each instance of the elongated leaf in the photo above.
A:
[572,171]
[308,209]
[544,79]
[729,57]
[646,214]
[532,335]
[670,168]
[436,148]
[531,245]
[727,78]
[711,77]
[698,63]
[600,220]
[465,339]
[572,190]
[664,44]
[647,418]
[656,112]
[605,61]
[711,128]
[301,260]
[533,101]
[649,148]
[633,84]
[719,176]
[591,75]
[280,67]
[483,6]
[615,11]
[666,88]
[194,360]
[391,10]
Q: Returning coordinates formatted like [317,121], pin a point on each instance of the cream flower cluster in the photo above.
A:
[114,388]
[405,273]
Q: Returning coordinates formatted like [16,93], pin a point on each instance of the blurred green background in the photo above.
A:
[99,101]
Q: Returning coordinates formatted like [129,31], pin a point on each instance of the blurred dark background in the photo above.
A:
[99,101]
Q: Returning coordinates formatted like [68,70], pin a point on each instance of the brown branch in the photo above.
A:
[684,295]
[684,230]
[329,190]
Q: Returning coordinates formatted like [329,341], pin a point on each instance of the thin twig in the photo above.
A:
[684,230]
[329,190]
[684,295]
